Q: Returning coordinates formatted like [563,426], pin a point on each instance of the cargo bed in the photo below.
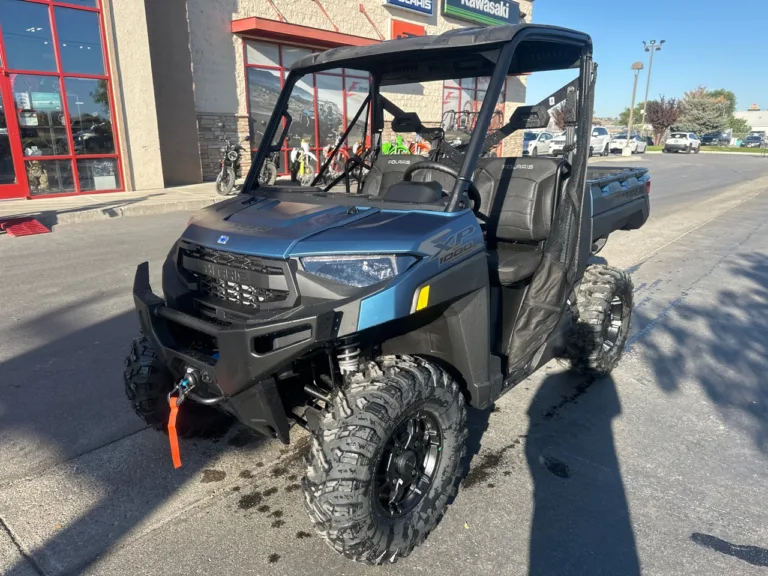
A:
[619,198]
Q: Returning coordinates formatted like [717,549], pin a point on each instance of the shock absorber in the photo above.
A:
[348,354]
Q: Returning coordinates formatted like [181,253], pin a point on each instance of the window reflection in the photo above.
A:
[97,174]
[301,107]
[49,176]
[330,105]
[263,90]
[89,113]
[79,41]
[40,114]
[357,90]
[27,36]
[88,3]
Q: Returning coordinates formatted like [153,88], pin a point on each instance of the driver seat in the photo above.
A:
[387,170]
[518,199]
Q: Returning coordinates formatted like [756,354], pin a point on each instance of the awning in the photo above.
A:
[263,29]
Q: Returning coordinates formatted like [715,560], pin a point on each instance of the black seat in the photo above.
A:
[518,196]
[387,170]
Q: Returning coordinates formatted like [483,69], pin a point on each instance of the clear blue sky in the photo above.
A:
[712,43]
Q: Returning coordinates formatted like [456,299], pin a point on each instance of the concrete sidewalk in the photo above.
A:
[88,207]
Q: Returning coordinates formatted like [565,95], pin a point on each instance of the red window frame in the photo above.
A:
[62,76]
[282,73]
[470,94]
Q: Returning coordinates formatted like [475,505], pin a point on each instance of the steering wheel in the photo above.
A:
[472,191]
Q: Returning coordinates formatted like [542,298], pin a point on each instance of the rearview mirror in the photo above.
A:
[595,134]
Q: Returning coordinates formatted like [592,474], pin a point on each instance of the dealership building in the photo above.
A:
[110,95]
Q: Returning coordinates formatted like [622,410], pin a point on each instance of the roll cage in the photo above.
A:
[495,52]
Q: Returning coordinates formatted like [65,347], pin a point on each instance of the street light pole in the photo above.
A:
[649,47]
[627,150]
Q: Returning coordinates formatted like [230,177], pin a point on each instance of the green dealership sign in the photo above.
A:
[487,12]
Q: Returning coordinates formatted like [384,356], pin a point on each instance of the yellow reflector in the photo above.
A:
[423,300]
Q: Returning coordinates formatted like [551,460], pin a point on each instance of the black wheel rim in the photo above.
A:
[408,464]
[614,323]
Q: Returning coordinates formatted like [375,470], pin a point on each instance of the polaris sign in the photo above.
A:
[420,6]
[488,12]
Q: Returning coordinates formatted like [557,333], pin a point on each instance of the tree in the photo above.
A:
[700,113]
[739,126]
[661,114]
[558,115]
[637,117]
[727,97]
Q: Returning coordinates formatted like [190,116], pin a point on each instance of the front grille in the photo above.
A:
[240,294]
[238,281]
[231,259]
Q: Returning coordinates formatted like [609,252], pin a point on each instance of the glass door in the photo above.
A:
[12,183]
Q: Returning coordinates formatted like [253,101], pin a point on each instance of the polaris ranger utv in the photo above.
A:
[372,317]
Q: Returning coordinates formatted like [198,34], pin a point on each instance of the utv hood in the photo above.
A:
[266,227]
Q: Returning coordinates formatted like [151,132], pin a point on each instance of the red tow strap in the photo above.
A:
[172,437]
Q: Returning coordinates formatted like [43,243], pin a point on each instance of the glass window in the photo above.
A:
[27,36]
[292,54]
[301,107]
[88,3]
[262,54]
[41,115]
[89,113]
[357,90]
[98,174]
[7,170]
[79,41]
[330,106]
[263,90]
[49,176]
[450,108]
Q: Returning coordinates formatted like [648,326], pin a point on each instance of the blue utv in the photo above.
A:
[372,309]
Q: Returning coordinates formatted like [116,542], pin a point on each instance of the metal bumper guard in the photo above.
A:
[244,378]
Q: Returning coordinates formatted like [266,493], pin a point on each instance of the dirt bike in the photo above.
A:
[230,167]
[303,164]
[398,147]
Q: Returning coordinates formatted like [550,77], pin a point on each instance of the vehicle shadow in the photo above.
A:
[65,399]
[581,521]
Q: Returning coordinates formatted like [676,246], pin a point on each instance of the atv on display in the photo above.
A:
[372,318]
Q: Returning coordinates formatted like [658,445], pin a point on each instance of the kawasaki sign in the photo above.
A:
[488,12]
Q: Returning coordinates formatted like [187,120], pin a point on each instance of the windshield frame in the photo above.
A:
[501,60]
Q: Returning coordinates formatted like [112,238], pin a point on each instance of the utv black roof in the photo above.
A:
[459,53]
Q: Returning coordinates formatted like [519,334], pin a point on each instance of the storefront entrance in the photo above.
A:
[56,129]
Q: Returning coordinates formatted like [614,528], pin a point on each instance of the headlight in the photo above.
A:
[232,156]
[358,270]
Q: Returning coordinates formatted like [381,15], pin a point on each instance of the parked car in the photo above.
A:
[637,143]
[716,139]
[599,144]
[682,142]
[753,141]
[536,144]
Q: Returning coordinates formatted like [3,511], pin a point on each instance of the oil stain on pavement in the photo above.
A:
[213,476]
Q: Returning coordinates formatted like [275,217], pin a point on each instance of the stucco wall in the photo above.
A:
[132,80]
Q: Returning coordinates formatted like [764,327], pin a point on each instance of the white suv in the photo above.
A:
[537,144]
[682,142]
[599,144]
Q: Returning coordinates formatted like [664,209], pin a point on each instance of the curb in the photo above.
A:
[108,213]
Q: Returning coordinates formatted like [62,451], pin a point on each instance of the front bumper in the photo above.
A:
[240,378]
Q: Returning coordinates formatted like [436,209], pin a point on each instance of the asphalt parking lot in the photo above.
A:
[661,468]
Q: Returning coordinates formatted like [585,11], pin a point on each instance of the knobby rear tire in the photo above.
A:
[600,288]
